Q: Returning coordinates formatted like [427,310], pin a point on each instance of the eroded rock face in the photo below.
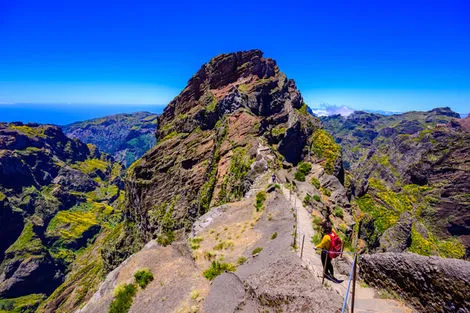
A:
[430,284]
[209,136]
[398,237]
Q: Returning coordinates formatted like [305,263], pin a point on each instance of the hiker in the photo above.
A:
[328,249]
[274,178]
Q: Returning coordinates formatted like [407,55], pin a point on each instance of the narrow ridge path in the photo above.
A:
[367,300]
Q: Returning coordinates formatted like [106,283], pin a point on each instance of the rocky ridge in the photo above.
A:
[416,162]
[55,199]
[211,140]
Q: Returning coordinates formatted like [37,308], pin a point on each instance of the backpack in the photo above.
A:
[335,246]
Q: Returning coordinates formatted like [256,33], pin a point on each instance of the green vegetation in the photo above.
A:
[256,250]
[194,242]
[240,164]
[217,268]
[210,102]
[278,131]
[37,131]
[162,218]
[451,248]
[143,277]
[303,109]
[325,191]
[338,212]
[260,198]
[123,298]
[25,304]
[241,260]
[274,236]
[169,136]
[324,146]
[27,243]
[91,165]
[315,182]
[223,245]
[303,169]
[70,225]
[317,198]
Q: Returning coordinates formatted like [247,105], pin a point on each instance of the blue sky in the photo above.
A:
[395,56]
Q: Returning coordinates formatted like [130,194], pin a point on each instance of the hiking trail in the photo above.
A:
[367,299]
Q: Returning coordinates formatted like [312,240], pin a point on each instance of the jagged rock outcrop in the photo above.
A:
[398,237]
[430,284]
[209,136]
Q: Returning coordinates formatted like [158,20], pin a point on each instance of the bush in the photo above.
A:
[315,182]
[316,238]
[217,268]
[223,245]
[338,212]
[325,191]
[274,236]
[303,169]
[307,199]
[260,198]
[299,176]
[317,198]
[241,260]
[123,298]
[143,277]
[194,242]
[257,250]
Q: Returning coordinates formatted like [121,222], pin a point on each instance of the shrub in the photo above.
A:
[307,199]
[316,238]
[325,191]
[338,212]
[260,198]
[241,260]
[217,268]
[123,298]
[223,245]
[257,250]
[194,294]
[274,236]
[315,182]
[303,169]
[143,277]
[194,242]
[317,198]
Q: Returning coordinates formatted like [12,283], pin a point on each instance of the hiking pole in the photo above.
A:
[302,249]
[354,283]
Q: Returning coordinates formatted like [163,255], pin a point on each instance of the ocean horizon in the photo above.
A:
[63,114]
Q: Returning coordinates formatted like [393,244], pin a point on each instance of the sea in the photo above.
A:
[63,114]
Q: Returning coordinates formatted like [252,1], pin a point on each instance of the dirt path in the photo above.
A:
[367,300]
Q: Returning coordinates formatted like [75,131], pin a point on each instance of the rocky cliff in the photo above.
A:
[211,139]
[55,197]
[430,284]
[126,137]
[416,163]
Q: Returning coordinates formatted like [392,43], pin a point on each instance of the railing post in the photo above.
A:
[354,284]
[302,249]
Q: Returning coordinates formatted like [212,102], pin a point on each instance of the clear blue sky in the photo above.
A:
[395,55]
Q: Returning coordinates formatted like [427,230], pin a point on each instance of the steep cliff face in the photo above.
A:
[416,162]
[55,197]
[211,142]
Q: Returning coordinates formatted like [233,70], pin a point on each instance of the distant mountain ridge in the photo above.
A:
[124,136]
[410,174]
